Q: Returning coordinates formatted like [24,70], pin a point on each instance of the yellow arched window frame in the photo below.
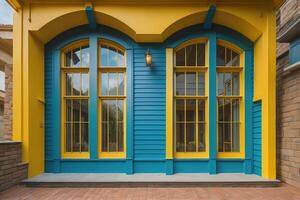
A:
[230,101]
[112,100]
[75,100]
[190,92]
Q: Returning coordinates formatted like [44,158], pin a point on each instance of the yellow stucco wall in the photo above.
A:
[38,23]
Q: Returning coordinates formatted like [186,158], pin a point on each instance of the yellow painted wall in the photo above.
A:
[38,23]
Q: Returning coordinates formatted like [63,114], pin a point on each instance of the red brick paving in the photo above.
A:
[284,192]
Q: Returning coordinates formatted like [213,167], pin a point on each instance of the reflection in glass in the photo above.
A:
[180,110]
[76,110]
[191,110]
[68,84]
[121,59]
[201,84]
[180,57]
[190,137]
[201,54]
[180,144]
[201,110]
[76,84]
[84,137]
[76,58]
[112,58]
[104,55]
[84,110]
[68,137]
[228,57]
[120,136]
[112,84]
[201,137]
[220,55]
[68,110]
[85,84]
[76,139]
[180,83]
[85,56]
[191,83]
[104,83]
[191,55]
[236,83]
[68,58]
[235,59]
[120,84]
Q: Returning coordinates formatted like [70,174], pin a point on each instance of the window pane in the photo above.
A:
[236,137]
[76,57]
[120,136]
[235,110]
[112,136]
[180,83]
[112,57]
[235,59]
[85,56]
[201,110]
[68,137]
[180,57]
[221,84]
[227,83]
[121,60]
[68,110]
[104,110]
[112,108]
[76,110]
[201,54]
[227,137]
[68,58]
[112,84]
[76,84]
[191,110]
[228,57]
[179,110]
[191,83]
[104,136]
[180,147]
[120,84]
[84,110]
[120,110]
[76,141]
[84,137]
[191,55]
[220,55]
[235,84]
[227,110]
[221,110]
[201,137]
[201,84]
[190,137]
[104,56]
[85,84]
[68,84]
[104,83]
[220,137]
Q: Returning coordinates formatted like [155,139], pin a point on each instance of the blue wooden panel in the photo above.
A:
[230,166]
[191,166]
[149,166]
[257,142]
[294,51]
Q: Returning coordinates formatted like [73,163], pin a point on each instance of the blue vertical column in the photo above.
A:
[56,142]
[248,74]
[129,111]
[212,165]
[93,107]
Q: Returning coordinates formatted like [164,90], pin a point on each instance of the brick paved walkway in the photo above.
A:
[285,192]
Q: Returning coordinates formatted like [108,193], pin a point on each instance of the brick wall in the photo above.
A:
[7,117]
[12,171]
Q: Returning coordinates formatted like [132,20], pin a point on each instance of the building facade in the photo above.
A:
[288,92]
[136,87]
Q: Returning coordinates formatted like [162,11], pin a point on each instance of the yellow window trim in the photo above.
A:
[113,69]
[64,70]
[240,69]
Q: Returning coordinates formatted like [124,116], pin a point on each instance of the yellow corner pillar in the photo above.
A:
[265,90]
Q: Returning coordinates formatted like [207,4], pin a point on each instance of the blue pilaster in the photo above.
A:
[93,111]
[209,17]
[212,103]
[91,17]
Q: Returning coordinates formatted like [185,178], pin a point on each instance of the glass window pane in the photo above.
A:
[191,83]
[227,84]
[104,110]
[113,56]
[200,54]
[76,57]
[84,137]
[104,136]
[112,108]
[76,84]
[221,84]
[68,58]
[220,55]
[180,146]
[180,83]
[190,137]
[104,83]
[220,137]
[68,137]
[201,110]
[84,110]
[180,57]
[120,110]
[68,110]
[227,110]
[201,137]
[191,55]
[85,84]
[221,110]
[120,84]
[76,138]
[104,56]
[235,110]
[76,110]
[236,84]
[112,84]
[201,84]
[180,110]
[68,84]
[120,137]
[235,59]
[121,59]
[228,57]
[191,110]
[85,56]
[227,137]
[112,136]
[235,137]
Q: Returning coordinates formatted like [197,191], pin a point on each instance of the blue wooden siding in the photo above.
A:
[257,154]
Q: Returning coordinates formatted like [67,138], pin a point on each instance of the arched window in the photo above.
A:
[75,97]
[112,100]
[229,97]
[190,96]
